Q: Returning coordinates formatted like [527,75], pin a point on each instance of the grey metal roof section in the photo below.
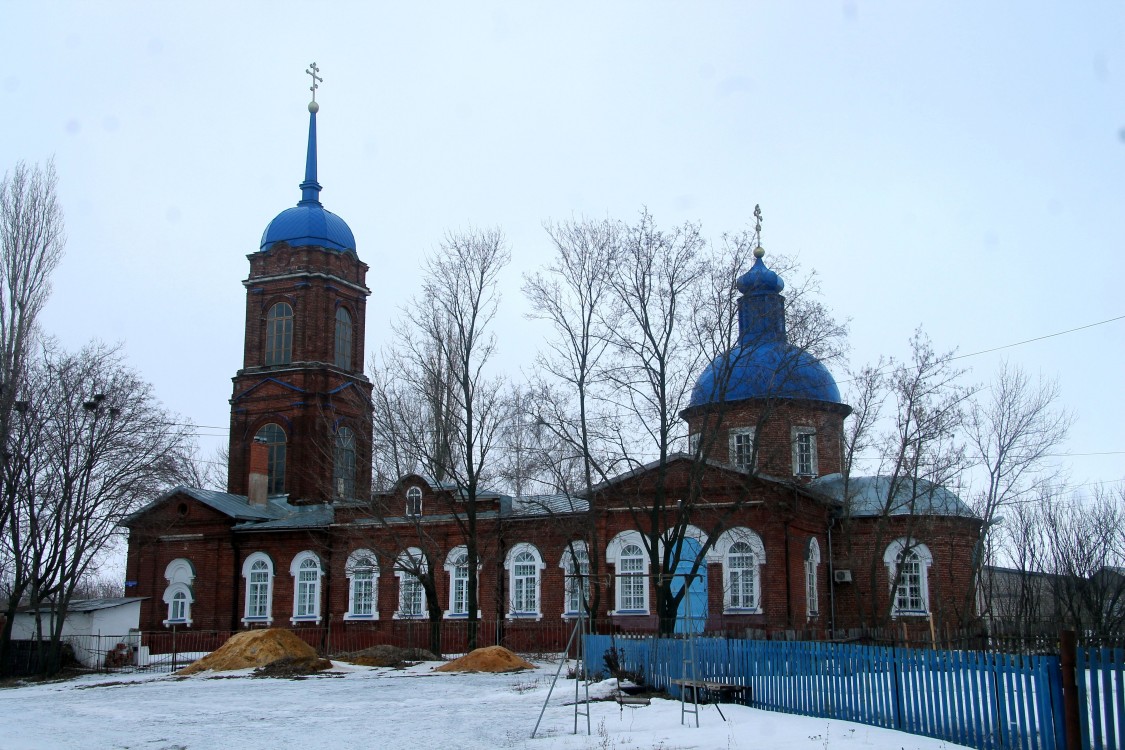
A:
[234,506]
[88,605]
[869,495]
[548,505]
[293,517]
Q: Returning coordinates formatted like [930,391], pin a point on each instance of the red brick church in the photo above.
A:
[780,540]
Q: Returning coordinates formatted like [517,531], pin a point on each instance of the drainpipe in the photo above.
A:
[788,582]
[235,575]
[831,578]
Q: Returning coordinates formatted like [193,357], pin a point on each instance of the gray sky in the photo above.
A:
[959,166]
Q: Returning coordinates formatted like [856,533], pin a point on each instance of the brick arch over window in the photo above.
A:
[362,571]
[458,569]
[525,567]
[179,594]
[575,564]
[276,441]
[278,346]
[742,553]
[409,565]
[626,553]
[910,561]
[343,462]
[812,578]
[307,571]
[257,573]
[344,338]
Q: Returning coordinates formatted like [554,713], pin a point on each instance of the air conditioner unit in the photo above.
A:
[842,576]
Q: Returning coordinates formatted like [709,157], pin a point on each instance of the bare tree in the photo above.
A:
[100,446]
[32,237]
[572,296]
[448,347]
[1086,543]
[1010,434]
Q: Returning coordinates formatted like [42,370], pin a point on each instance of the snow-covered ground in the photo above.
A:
[385,709]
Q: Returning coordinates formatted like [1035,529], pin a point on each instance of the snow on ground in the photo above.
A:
[387,709]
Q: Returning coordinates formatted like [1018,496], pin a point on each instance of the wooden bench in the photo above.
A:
[724,692]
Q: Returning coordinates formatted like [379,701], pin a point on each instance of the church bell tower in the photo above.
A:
[301,401]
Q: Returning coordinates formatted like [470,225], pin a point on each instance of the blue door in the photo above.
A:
[691,617]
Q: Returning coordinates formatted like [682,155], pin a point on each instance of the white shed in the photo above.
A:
[93,627]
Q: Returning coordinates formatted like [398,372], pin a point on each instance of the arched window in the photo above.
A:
[306,572]
[343,469]
[576,576]
[410,566]
[362,570]
[414,501]
[343,339]
[279,334]
[743,556]
[908,563]
[274,438]
[523,563]
[812,596]
[457,566]
[179,596]
[178,609]
[626,553]
[258,572]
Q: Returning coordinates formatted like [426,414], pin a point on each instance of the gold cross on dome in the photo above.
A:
[312,71]
[757,218]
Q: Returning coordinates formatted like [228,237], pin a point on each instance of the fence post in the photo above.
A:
[1068,661]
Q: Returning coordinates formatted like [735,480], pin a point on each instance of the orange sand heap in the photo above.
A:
[488,659]
[258,648]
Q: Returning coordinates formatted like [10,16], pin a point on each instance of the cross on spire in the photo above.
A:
[757,219]
[312,70]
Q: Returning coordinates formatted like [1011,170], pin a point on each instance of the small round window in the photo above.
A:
[182,510]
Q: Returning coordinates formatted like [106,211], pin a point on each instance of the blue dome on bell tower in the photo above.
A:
[763,364]
[309,223]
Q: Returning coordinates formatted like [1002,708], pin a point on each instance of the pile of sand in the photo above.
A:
[488,659]
[259,648]
[387,656]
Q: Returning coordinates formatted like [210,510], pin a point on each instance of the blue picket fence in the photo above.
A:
[980,699]
[1101,688]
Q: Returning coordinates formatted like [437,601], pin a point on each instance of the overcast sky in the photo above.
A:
[959,166]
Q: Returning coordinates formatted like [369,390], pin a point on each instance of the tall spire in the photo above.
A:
[310,188]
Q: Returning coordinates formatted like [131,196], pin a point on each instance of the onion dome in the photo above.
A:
[763,364]
[309,223]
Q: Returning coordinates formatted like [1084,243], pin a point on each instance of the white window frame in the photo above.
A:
[354,569]
[247,570]
[923,558]
[576,588]
[723,546]
[812,579]
[180,574]
[614,550]
[303,563]
[414,502]
[733,436]
[812,470]
[452,563]
[518,577]
[407,561]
